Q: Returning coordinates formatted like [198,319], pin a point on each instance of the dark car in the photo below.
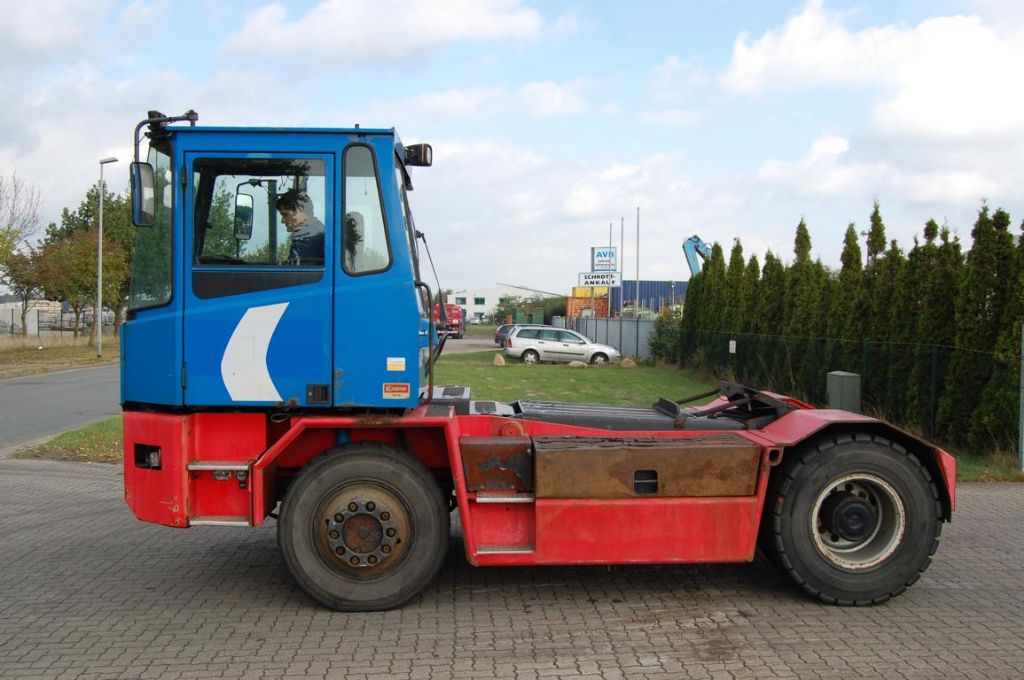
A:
[503,331]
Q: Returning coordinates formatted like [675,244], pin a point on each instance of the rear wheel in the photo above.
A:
[854,521]
[364,528]
[531,357]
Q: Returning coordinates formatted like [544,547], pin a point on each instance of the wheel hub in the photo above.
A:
[363,531]
[849,516]
[858,521]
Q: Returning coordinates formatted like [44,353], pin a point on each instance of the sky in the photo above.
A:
[552,120]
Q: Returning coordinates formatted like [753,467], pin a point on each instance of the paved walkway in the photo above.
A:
[87,592]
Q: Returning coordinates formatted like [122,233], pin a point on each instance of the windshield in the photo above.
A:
[410,226]
[151,265]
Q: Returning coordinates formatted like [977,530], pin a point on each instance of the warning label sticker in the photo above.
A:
[396,390]
[396,363]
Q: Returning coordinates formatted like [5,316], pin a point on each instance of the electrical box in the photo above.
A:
[844,391]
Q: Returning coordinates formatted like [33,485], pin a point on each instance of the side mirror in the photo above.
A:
[243,217]
[419,154]
[143,195]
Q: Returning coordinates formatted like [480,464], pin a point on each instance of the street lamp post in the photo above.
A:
[97,320]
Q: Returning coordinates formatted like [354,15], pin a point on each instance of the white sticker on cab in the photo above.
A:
[396,363]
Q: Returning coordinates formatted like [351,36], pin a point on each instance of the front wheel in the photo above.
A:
[364,528]
[599,358]
[854,521]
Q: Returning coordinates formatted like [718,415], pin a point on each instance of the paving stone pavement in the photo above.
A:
[88,592]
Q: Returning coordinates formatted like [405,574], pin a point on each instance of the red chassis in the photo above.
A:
[232,468]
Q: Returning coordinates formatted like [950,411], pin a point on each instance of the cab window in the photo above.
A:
[364,238]
[258,211]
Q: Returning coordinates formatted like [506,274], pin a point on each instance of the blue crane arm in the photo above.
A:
[693,247]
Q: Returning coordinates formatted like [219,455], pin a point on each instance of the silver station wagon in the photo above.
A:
[534,345]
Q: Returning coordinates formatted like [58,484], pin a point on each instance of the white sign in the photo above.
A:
[600,279]
[732,347]
[603,259]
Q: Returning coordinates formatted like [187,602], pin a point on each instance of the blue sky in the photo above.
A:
[549,120]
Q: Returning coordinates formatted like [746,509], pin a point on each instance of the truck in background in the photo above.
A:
[453,322]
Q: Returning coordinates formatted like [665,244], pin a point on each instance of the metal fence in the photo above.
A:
[964,398]
[630,336]
[41,323]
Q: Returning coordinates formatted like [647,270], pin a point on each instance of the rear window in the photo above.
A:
[528,333]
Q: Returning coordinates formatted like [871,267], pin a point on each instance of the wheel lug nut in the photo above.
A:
[372,559]
[385,515]
[354,561]
[371,506]
[352,507]
[339,518]
[385,549]
[339,550]
[334,535]
[391,533]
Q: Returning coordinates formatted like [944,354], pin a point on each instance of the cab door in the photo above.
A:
[258,307]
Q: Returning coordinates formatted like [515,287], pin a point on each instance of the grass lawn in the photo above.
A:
[96,443]
[608,384]
[480,331]
[640,386]
[28,356]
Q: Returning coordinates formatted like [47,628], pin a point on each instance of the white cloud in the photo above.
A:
[337,33]
[674,79]
[551,99]
[670,117]
[945,77]
[46,29]
[827,171]
[539,99]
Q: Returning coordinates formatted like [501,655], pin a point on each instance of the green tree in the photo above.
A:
[117,227]
[846,322]
[802,317]
[995,419]
[733,288]
[19,214]
[67,270]
[505,312]
[20,273]
[770,320]
[978,314]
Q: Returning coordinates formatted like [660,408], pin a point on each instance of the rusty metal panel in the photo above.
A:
[607,467]
[497,463]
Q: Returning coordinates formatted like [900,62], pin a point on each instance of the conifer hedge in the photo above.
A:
[934,333]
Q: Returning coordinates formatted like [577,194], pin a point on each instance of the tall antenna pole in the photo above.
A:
[636,310]
[622,263]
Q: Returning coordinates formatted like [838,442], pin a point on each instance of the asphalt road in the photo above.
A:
[89,593]
[36,406]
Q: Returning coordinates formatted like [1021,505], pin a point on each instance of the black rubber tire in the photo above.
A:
[603,358]
[788,539]
[397,474]
[530,353]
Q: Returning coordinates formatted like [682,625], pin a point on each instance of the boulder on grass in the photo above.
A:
[628,363]
[499,360]
[577,364]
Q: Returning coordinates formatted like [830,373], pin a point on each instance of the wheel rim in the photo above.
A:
[530,357]
[858,521]
[363,531]
[600,358]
